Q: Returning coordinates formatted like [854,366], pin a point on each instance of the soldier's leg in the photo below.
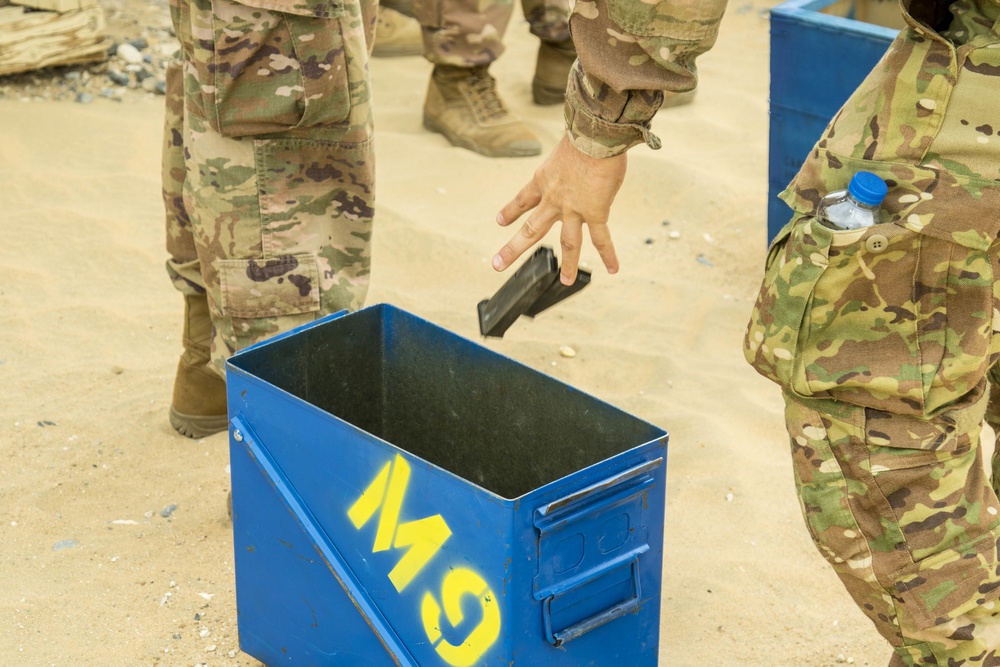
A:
[278,166]
[198,406]
[901,508]
[182,266]
[284,228]
[463,33]
[549,21]
[462,38]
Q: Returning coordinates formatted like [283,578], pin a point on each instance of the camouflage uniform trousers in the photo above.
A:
[904,512]
[885,342]
[268,167]
[467,33]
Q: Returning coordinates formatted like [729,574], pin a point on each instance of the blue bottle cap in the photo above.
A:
[867,188]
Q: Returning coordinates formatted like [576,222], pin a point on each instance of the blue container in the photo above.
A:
[817,60]
[403,496]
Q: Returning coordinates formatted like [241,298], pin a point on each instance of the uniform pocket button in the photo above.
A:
[876,243]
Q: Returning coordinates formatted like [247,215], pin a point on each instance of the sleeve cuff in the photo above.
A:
[601,138]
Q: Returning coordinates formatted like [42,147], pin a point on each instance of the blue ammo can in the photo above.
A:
[404,496]
[821,50]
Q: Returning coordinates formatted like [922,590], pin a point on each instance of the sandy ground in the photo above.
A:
[115,547]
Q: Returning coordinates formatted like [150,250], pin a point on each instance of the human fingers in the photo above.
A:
[527,198]
[600,237]
[533,230]
[570,239]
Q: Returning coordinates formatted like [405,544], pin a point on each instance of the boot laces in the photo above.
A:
[484,87]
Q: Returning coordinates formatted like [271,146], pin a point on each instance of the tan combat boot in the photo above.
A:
[463,104]
[396,35]
[199,404]
[555,59]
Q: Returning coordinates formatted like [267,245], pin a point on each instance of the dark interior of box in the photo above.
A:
[481,416]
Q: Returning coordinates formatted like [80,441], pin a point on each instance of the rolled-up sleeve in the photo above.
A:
[631,53]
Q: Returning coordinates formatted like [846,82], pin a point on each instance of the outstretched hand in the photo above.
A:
[573,188]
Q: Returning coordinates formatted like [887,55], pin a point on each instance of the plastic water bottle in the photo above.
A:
[857,206]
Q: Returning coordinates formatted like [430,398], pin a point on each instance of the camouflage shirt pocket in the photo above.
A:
[896,317]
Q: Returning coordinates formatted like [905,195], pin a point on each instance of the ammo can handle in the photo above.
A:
[597,620]
[595,489]
[583,514]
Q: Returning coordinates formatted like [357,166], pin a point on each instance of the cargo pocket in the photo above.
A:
[263,297]
[951,583]
[266,67]
[896,317]
[930,474]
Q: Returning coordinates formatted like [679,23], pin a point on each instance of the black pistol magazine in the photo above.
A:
[557,292]
[534,287]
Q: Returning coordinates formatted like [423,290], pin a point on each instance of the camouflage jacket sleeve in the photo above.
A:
[614,92]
